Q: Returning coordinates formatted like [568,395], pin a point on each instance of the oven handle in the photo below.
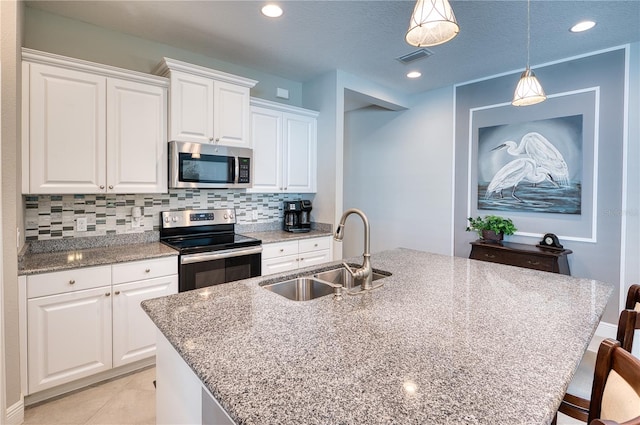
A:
[219,255]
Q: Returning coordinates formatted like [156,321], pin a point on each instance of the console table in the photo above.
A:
[522,255]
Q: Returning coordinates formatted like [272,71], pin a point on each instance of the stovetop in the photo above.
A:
[208,243]
[196,231]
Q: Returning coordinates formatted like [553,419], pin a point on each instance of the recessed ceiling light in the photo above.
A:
[582,26]
[272,11]
[414,74]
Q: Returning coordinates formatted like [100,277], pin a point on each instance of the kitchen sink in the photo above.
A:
[302,288]
[335,281]
[341,276]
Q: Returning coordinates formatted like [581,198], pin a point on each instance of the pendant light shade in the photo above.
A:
[528,91]
[432,22]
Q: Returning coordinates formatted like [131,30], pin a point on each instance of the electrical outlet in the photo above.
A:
[81,224]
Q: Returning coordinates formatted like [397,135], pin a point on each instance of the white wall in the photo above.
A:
[326,94]
[397,169]
[10,41]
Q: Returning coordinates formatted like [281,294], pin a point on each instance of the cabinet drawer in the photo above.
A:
[68,281]
[279,249]
[279,264]
[314,244]
[146,269]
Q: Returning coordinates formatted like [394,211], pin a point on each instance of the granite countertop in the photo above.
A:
[282,236]
[446,340]
[44,262]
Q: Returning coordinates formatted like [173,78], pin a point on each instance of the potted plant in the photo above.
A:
[491,227]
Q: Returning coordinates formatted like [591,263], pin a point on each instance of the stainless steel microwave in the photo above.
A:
[198,165]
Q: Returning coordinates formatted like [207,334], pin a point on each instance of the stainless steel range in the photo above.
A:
[211,252]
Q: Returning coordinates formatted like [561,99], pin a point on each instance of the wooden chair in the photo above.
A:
[633,298]
[576,404]
[615,396]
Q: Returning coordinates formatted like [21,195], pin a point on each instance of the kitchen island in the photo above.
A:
[446,340]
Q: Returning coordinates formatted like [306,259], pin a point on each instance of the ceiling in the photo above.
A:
[364,37]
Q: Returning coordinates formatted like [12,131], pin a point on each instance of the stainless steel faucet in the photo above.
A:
[365,272]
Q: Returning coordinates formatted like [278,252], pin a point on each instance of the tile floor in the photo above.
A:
[126,400]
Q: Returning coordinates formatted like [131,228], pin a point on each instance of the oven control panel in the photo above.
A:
[188,218]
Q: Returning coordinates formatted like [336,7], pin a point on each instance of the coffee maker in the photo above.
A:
[297,216]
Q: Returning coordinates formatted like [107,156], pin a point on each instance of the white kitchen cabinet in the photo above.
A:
[133,331]
[84,321]
[66,130]
[136,137]
[290,255]
[207,106]
[284,148]
[90,128]
[68,330]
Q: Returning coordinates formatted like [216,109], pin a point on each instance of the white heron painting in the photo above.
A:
[534,166]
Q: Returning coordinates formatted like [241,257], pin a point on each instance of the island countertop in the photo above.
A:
[446,340]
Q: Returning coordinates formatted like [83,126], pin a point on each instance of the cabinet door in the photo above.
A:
[136,137]
[69,337]
[231,124]
[134,336]
[191,110]
[66,114]
[266,134]
[299,153]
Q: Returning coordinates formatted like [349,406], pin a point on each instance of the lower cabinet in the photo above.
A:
[133,331]
[69,336]
[285,256]
[84,321]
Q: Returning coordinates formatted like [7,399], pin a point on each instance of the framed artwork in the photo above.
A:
[533,166]
[537,164]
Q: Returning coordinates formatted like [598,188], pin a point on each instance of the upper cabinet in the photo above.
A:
[207,106]
[90,128]
[284,148]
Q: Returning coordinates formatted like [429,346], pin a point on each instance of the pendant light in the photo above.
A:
[432,22]
[528,91]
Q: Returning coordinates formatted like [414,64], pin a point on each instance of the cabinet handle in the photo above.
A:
[533,263]
[101,186]
[489,255]
[107,294]
[117,292]
[147,270]
[281,249]
[72,281]
[110,186]
[211,139]
[315,244]
[217,139]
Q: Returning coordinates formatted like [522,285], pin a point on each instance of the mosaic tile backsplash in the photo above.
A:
[49,217]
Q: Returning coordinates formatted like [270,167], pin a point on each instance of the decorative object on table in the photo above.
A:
[491,227]
[532,166]
[550,241]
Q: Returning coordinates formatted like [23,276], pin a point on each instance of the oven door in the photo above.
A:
[213,268]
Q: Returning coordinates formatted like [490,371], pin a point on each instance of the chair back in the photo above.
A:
[615,394]
[633,298]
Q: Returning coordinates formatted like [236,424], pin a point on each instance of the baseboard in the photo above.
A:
[15,413]
[604,330]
